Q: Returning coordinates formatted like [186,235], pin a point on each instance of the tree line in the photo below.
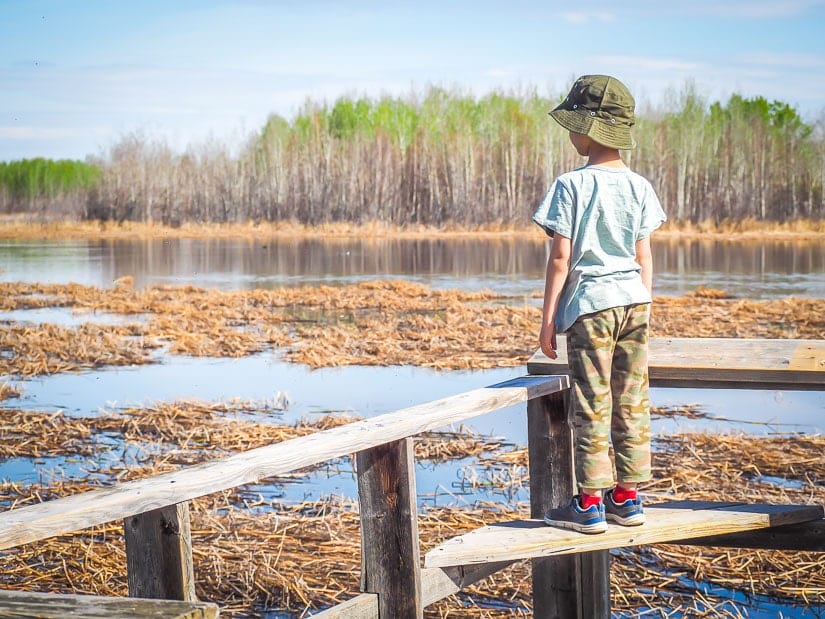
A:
[43,184]
[435,158]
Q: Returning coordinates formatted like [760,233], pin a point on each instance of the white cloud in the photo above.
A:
[586,17]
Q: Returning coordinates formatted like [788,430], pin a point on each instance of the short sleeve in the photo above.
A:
[555,213]
[653,215]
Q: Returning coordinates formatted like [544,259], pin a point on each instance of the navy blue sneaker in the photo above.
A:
[629,513]
[573,516]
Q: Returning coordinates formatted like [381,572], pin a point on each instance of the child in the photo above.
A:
[598,290]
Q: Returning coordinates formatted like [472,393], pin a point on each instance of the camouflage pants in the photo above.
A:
[607,353]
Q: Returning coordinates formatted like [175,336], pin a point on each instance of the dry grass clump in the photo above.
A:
[8,391]
[690,316]
[38,434]
[30,350]
[703,292]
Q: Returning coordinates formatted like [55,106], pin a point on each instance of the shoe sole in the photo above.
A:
[589,529]
[631,521]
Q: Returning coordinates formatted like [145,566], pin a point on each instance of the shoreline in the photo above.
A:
[20,229]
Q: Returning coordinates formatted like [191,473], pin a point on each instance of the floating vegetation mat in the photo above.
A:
[371,323]
[254,555]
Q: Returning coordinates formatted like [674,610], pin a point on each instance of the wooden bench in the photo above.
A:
[58,606]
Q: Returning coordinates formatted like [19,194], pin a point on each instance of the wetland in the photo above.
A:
[123,358]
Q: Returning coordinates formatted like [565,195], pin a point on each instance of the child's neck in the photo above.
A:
[604,156]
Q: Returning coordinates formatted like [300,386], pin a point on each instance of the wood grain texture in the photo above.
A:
[720,362]
[32,523]
[364,606]
[665,522]
[159,554]
[807,536]
[19,604]
[550,449]
[436,584]
[389,528]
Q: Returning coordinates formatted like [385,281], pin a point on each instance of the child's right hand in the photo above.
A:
[547,340]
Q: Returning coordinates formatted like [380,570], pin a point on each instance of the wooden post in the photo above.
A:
[550,447]
[390,559]
[159,554]
[566,586]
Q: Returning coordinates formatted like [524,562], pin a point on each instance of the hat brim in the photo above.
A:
[608,134]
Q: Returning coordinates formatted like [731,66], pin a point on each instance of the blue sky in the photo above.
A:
[77,76]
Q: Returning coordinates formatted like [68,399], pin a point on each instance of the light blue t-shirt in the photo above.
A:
[603,211]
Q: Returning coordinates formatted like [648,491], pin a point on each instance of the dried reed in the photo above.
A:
[8,391]
[372,323]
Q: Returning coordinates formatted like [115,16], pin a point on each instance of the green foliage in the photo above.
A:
[27,179]
[445,155]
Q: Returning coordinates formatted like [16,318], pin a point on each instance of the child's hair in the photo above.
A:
[600,107]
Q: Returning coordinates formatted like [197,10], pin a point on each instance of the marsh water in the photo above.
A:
[766,269]
[770,269]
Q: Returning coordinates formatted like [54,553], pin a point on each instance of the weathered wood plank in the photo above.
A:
[32,523]
[159,554]
[720,362]
[364,606]
[436,584]
[807,536]
[389,528]
[57,606]
[665,523]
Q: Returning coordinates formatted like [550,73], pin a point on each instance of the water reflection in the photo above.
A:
[509,266]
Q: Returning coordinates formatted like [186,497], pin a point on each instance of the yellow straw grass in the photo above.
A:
[372,323]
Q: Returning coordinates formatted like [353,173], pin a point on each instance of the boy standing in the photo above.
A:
[598,290]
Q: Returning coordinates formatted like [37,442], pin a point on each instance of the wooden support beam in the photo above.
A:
[364,606]
[563,586]
[58,606]
[159,554]
[390,559]
[65,515]
[436,584]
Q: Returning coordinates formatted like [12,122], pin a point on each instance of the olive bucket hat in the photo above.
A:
[601,107]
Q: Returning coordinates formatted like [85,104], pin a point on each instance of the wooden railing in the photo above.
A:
[155,510]
[156,514]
